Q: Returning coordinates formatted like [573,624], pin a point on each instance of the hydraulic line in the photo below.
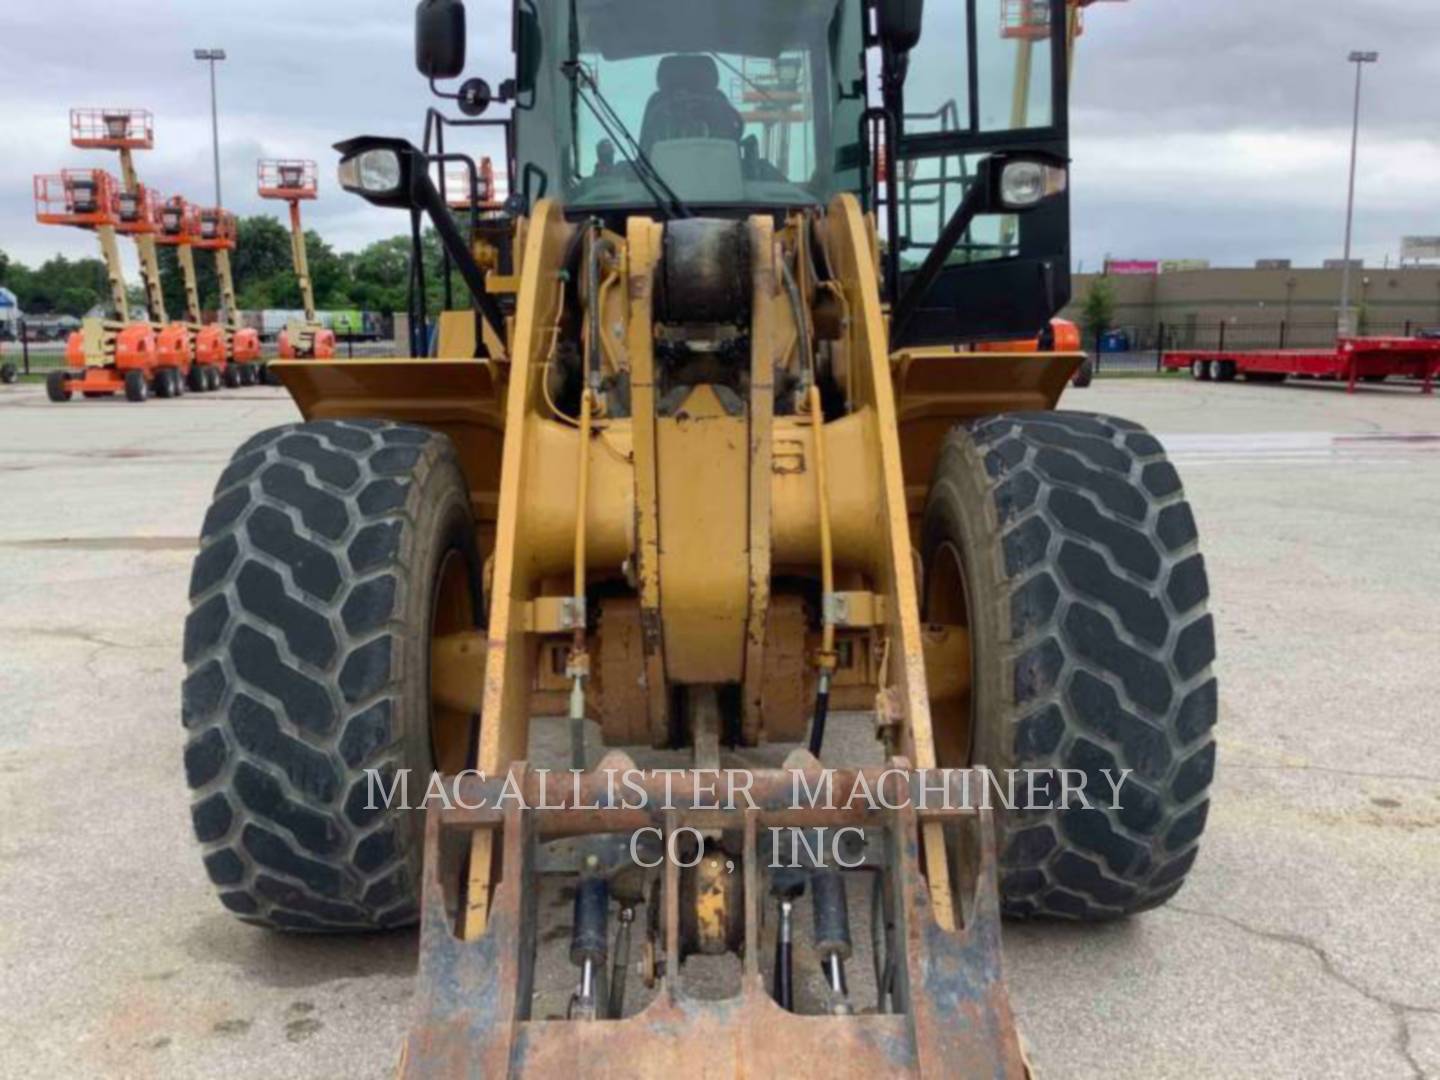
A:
[826,659]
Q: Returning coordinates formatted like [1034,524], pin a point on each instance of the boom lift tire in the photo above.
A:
[1064,543]
[212,379]
[195,379]
[313,602]
[1085,374]
[56,386]
[136,388]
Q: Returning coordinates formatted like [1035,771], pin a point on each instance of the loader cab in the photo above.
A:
[932,113]
[736,107]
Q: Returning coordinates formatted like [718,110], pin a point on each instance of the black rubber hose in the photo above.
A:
[817,727]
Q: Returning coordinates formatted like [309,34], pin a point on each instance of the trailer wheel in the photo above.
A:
[1224,370]
[1200,370]
[331,552]
[1085,374]
[57,386]
[136,388]
[1063,545]
[9,375]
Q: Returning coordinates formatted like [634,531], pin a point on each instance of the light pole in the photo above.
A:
[213,56]
[1359,59]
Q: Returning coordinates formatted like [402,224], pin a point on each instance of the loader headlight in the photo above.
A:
[1025,184]
[373,172]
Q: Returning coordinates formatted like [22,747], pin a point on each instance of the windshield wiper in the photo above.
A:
[670,204]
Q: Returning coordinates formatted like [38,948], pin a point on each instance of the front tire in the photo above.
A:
[136,388]
[329,554]
[1064,545]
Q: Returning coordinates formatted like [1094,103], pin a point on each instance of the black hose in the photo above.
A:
[822,711]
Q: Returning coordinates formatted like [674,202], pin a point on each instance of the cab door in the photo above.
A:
[987,76]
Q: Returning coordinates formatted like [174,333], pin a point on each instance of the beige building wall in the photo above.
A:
[1307,300]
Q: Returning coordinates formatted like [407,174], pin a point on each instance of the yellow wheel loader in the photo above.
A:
[716,631]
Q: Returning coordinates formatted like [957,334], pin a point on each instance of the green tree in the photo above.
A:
[262,250]
[1097,310]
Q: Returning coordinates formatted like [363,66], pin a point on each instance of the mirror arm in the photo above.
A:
[955,229]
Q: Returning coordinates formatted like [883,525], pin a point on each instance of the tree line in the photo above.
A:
[375,278]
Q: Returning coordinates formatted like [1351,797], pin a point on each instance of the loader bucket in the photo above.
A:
[945,1011]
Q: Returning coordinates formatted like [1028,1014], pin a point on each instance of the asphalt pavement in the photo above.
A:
[1303,946]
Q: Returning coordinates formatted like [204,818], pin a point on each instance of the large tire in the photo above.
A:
[307,647]
[1084,374]
[1065,544]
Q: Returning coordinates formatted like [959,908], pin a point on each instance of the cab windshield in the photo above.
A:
[741,103]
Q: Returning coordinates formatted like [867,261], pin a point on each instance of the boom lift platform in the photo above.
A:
[105,356]
[125,131]
[294,182]
[698,461]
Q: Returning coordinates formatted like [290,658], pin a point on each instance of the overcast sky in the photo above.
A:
[1216,129]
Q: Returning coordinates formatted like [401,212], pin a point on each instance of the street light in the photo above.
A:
[213,56]
[1359,59]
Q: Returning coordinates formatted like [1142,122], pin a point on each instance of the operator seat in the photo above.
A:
[688,104]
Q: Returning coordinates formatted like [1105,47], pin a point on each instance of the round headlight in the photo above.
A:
[375,172]
[1024,184]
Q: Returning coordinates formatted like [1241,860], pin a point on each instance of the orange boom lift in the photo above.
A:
[105,356]
[125,131]
[294,182]
[218,233]
[179,228]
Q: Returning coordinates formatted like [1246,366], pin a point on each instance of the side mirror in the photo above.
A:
[440,38]
[898,23]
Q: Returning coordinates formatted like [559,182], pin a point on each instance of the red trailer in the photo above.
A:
[1353,360]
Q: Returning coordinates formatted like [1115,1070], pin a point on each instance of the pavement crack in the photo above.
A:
[1400,1011]
[89,637]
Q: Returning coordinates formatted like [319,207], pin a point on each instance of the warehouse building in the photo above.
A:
[1260,308]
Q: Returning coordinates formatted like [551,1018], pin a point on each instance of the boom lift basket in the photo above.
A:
[112,129]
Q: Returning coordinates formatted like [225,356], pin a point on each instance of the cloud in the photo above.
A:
[1211,130]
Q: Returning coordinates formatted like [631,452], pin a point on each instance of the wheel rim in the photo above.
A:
[947,616]
[452,611]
